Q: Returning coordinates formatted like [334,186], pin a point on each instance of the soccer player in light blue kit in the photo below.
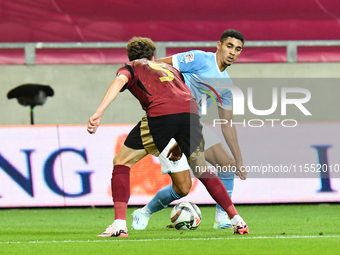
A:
[202,70]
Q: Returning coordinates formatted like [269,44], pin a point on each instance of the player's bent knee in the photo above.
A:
[197,173]
[125,161]
[118,162]
[198,153]
[182,190]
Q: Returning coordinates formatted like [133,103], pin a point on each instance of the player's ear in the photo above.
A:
[153,58]
[219,44]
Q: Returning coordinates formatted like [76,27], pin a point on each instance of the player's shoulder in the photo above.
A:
[202,54]
[137,62]
[128,66]
[207,60]
[140,65]
[132,68]
[193,56]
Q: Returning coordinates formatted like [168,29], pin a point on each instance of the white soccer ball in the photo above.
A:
[186,216]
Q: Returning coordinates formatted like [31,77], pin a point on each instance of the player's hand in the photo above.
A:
[93,123]
[175,153]
[241,171]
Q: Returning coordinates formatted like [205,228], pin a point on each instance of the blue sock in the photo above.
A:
[227,179]
[163,198]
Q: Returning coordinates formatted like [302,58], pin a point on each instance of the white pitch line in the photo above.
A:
[245,237]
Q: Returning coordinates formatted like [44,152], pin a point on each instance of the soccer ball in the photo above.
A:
[185,216]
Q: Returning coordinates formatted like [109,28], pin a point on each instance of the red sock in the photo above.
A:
[120,210]
[218,192]
[120,188]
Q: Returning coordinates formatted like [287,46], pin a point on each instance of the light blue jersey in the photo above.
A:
[202,74]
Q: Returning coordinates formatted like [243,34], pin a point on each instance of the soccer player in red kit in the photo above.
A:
[171,112]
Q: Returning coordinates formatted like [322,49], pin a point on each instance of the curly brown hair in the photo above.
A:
[140,47]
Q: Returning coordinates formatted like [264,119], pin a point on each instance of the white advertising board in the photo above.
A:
[63,165]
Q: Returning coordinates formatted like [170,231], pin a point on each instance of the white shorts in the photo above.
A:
[168,166]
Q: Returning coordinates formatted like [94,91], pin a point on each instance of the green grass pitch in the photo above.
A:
[274,229]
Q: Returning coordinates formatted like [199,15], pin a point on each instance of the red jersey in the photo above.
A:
[159,87]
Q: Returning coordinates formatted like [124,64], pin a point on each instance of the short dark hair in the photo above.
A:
[140,47]
[232,33]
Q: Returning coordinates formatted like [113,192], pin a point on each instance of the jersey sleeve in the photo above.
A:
[226,98]
[189,62]
[128,72]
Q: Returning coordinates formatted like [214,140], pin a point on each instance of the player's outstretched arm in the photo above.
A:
[166,60]
[230,136]
[110,95]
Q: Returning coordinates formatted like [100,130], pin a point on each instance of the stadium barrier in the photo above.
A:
[162,47]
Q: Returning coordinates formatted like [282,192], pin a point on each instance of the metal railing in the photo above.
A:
[291,46]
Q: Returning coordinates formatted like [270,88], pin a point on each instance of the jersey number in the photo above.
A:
[158,66]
